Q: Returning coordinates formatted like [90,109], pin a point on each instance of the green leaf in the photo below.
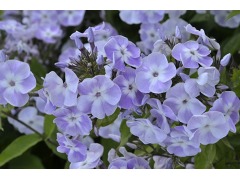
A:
[1,128]
[108,119]
[26,161]
[233,13]
[108,144]
[200,18]
[49,126]
[231,45]
[205,159]
[125,133]
[18,147]
[236,81]
[52,146]
[38,70]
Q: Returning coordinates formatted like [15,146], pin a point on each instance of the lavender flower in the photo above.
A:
[29,116]
[75,150]
[119,50]
[128,161]
[149,34]
[98,96]
[131,97]
[180,144]
[68,56]
[49,33]
[62,94]
[155,74]
[94,153]
[208,78]
[161,162]
[209,127]
[112,130]
[229,104]
[70,18]
[202,37]
[72,122]
[146,131]
[182,104]
[191,54]
[44,103]
[16,80]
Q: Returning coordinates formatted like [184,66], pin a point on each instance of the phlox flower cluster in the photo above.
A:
[159,99]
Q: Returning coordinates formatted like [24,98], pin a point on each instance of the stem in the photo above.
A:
[29,127]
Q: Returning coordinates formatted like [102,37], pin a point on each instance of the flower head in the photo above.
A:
[98,96]
[16,80]
[155,74]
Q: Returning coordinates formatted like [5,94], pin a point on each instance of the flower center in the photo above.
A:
[72,118]
[98,94]
[155,74]
[130,87]
[12,83]
[184,101]
[65,85]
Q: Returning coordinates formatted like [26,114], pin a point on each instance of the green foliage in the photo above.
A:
[26,161]
[108,144]
[232,44]
[233,13]
[18,147]
[108,119]
[236,81]
[49,126]
[38,70]
[125,133]
[205,158]
[200,18]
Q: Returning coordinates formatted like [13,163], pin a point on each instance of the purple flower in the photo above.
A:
[161,47]
[70,18]
[72,122]
[131,97]
[75,150]
[202,37]
[68,56]
[130,16]
[49,33]
[29,116]
[62,94]
[161,162]
[94,153]
[103,31]
[180,144]
[168,29]
[16,80]
[3,56]
[229,104]
[155,74]
[128,161]
[161,113]
[208,78]
[41,17]
[225,60]
[182,104]
[146,131]
[221,16]
[119,50]
[191,54]
[209,127]
[112,130]
[98,96]
[149,34]
[44,103]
